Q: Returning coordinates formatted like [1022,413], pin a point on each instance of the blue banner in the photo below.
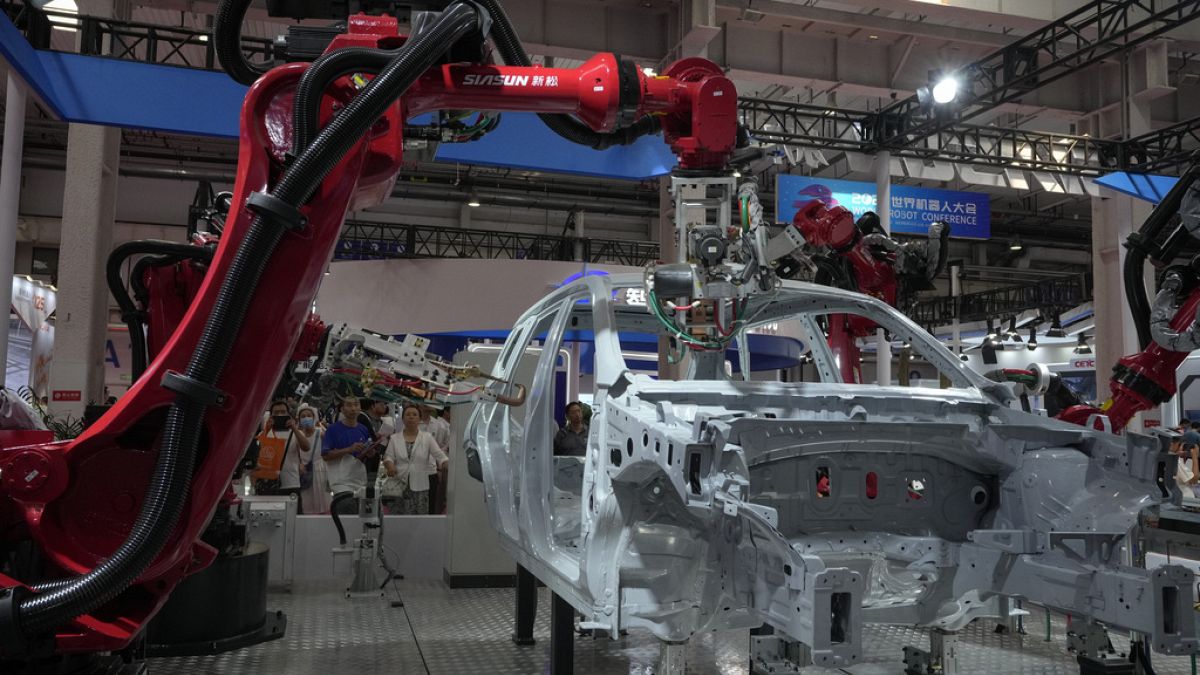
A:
[913,208]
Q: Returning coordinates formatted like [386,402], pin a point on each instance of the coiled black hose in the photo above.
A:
[306,109]
[170,483]
[1139,244]
[323,72]
[509,45]
[337,517]
[227,42]
[130,314]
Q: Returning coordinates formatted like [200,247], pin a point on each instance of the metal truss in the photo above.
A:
[1096,31]
[829,128]
[1163,149]
[130,40]
[1049,294]
[1089,34]
[363,240]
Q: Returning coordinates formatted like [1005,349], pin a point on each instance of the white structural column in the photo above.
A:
[1114,218]
[10,200]
[883,208]
[89,209]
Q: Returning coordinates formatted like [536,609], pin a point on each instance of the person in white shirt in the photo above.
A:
[411,456]
[283,425]
[314,492]
[439,428]
[436,427]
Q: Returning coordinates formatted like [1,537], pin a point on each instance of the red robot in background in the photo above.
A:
[860,256]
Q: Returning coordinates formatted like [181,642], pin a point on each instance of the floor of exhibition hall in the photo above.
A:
[455,632]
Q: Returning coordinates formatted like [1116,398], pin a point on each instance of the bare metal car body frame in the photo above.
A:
[698,507]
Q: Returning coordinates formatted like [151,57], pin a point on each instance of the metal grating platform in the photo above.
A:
[459,632]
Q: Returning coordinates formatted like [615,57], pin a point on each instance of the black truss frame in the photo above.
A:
[1048,295]
[364,240]
[827,128]
[1166,148]
[1001,77]
[1092,33]
[130,40]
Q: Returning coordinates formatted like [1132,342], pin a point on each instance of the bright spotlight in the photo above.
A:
[946,90]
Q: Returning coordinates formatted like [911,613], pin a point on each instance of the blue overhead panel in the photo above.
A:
[1145,186]
[113,92]
[523,141]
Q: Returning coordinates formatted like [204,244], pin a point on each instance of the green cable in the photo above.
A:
[666,322]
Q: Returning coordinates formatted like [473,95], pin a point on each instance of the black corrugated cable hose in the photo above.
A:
[227,42]
[322,73]
[116,285]
[169,486]
[1135,262]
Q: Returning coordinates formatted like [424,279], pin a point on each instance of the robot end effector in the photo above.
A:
[877,263]
[404,370]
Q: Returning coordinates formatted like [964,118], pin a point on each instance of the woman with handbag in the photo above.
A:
[411,456]
[314,477]
[281,428]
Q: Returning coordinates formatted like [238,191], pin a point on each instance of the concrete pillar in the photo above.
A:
[883,207]
[1114,218]
[89,209]
[10,201]
[696,14]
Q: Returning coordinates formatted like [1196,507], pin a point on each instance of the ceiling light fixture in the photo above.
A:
[1032,344]
[1012,335]
[473,200]
[946,90]
[1056,329]
[1083,347]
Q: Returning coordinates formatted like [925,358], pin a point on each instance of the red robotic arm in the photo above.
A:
[861,257]
[1147,379]
[1168,329]
[118,512]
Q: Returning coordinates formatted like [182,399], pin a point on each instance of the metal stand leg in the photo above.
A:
[526,593]
[1094,652]
[1010,613]
[941,658]
[674,658]
[944,646]
[770,654]
[562,637]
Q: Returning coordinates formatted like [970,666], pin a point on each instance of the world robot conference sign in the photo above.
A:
[913,208]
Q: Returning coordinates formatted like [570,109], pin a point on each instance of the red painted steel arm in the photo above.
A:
[78,499]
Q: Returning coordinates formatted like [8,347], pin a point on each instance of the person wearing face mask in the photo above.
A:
[282,425]
[411,456]
[314,477]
